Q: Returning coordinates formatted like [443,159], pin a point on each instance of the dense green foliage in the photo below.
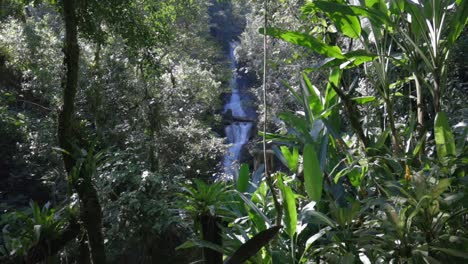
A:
[367,107]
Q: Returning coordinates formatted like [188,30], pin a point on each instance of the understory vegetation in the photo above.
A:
[112,132]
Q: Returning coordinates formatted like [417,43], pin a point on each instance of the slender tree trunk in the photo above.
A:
[69,83]
[211,233]
[91,215]
[90,209]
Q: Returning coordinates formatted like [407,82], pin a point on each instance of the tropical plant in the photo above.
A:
[33,228]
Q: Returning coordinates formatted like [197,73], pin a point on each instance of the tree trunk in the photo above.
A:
[91,215]
[211,232]
[90,209]
[69,83]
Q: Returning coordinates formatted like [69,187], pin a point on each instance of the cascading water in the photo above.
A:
[238,131]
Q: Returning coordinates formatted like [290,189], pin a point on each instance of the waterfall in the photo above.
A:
[238,131]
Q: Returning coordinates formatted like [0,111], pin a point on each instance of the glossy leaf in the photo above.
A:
[315,99]
[445,142]
[313,178]
[305,40]
[292,159]
[315,217]
[374,15]
[252,246]
[459,21]
[243,180]
[254,208]
[363,99]
[290,216]
[342,16]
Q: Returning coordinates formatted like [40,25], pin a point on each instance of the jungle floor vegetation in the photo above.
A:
[111,131]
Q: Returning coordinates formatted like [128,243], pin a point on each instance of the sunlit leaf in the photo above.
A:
[313,178]
[363,99]
[290,216]
[305,40]
[243,180]
[445,142]
[292,159]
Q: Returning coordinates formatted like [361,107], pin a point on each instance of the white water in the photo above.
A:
[237,133]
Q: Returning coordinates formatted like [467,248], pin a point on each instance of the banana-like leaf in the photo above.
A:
[243,179]
[254,208]
[292,159]
[290,217]
[305,40]
[445,142]
[342,16]
[309,215]
[252,246]
[313,178]
[376,16]
[459,21]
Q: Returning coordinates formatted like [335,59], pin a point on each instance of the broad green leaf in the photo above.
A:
[313,178]
[254,208]
[452,252]
[311,240]
[397,6]
[315,98]
[359,57]
[351,60]
[279,138]
[441,187]
[348,258]
[290,216]
[291,158]
[243,180]
[315,217]
[298,123]
[305,40]
[378,5]
[334,78]
[342,16]
[200,243]
[363,99]
[445,143]
[355,176]
[458,22]
[252,246]
[315,237]
[376,17]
